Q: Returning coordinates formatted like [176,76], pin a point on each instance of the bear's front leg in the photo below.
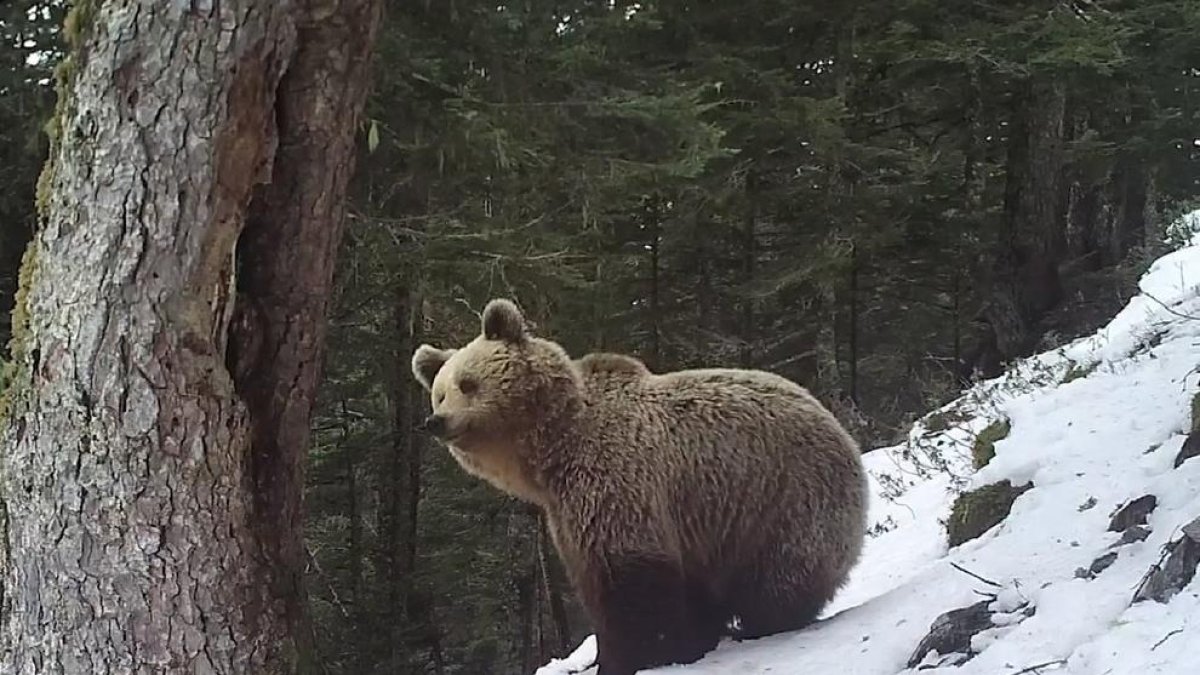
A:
[641,615]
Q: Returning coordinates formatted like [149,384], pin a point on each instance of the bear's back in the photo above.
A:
[610,365]
[767,451]
[739,423]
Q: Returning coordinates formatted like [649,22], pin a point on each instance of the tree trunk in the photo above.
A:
[1085,200]
[706,300]
[829,376]
[852,329]
[749,334]
[830,291]
[972,206]
[354,545]
[404,469]
[524,582]
[654,227]
[553,584]
[1131,186]
[1025,282]
[154,451]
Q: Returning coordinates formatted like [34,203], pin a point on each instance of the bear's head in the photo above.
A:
[497,399]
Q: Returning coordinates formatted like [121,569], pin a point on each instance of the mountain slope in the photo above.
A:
[1092,426]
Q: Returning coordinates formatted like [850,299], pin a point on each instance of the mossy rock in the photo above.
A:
[936,422]
[978,511]
[1196,412]
[984,448]
[1078,372]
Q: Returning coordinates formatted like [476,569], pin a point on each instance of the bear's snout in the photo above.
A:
[434,424]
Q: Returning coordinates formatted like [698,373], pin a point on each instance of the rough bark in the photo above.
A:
[285,261]
[152,490]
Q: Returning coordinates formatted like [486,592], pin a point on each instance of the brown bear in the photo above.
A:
[686,506]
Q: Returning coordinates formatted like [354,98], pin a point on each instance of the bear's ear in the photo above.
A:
[427,361]
[503,321]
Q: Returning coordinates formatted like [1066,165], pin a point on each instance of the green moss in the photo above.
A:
[1196,412]
[1076,372]
[45,184]
[940,421]
[77,28]
[936,422]
[12,371]
[984,448]
[64,74]
[77,25]
[980,510]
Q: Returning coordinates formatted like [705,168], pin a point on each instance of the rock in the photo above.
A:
[951,632]
[1190,449]
[1098,565]
[1132,534]
[977,511]
[1102,563]
[984,448]
[1091,501]
[1133,513]
[1168,577]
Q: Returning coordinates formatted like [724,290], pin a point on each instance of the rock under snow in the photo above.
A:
[1174,574]
[1133,513]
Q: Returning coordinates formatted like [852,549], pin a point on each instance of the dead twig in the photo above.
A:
[316,566]
[1166,637]
[968,572]
[1038,668]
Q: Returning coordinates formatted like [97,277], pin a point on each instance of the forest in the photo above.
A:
[883,201]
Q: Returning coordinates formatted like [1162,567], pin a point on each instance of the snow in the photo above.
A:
[1088,445]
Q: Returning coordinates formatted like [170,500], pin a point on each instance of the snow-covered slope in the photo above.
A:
[1094,425]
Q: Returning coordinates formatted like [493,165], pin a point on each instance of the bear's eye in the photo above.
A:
[468,386]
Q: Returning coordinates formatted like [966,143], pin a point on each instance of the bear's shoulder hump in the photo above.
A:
[611,365]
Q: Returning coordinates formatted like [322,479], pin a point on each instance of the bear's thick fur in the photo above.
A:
[685,506]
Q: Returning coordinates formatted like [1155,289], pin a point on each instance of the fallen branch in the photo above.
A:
[1182,315]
